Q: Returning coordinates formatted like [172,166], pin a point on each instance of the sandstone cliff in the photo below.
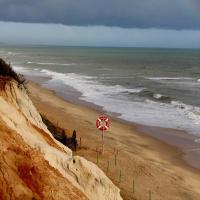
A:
[33,165]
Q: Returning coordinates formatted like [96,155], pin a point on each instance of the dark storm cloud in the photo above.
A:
[172,14]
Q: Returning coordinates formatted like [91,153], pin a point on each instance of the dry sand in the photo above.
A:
[153,165]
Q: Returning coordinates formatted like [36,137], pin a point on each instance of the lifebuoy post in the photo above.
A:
[103,124]
[103,137]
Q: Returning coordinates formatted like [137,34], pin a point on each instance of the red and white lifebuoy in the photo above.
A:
[103,127]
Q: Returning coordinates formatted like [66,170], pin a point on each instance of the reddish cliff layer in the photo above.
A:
[33,165]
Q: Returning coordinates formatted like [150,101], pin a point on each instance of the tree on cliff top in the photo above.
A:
[7,71]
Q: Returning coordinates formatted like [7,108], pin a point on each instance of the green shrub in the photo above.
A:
[7,71]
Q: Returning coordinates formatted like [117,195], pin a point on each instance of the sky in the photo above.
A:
[137,23]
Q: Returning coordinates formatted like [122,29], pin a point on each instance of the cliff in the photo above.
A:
[33,165]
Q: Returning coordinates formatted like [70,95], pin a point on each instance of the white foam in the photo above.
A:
[20,69]
[81,82]
[113,99]
[46,63]
[169,78]
[157,96]
[12,53]
[197,140]
[136,90]
[193,112]
[26,71]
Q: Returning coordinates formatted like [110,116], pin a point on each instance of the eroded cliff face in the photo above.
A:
[33,165]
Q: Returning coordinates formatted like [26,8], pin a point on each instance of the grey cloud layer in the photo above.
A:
[171,14]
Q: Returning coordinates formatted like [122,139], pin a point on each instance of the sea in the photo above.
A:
[149,86]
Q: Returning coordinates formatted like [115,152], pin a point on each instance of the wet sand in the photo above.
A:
[130,151]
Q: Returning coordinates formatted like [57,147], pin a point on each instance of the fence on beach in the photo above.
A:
[110,163]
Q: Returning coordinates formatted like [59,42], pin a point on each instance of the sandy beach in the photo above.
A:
[137,163]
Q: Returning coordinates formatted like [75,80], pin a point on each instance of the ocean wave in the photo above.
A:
[19,69]
[146,93]
[193,112]
[104,69]
[198,80]
[135,90]
[169,78]
[197,140]
[46,63]
[12,53]
[155,96]
[27,71]
[189,111]
[79,82]
[113,98]
[163,98]
[114,76]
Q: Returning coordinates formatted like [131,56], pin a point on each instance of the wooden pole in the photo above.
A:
[114,150]
[150,195]
[80,141]
[97,157]
[115,159]
[133,186]
[103,137]
[108,166]
[120,176]
[102,141]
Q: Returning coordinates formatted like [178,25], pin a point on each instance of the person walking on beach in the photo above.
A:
[74,141]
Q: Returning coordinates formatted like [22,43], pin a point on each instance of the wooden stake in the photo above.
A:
[108,166]
[80,141]
[120,176]
[150,195]
[133,186]
[97,157]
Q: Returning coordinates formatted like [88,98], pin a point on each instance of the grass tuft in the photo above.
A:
[7,72]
